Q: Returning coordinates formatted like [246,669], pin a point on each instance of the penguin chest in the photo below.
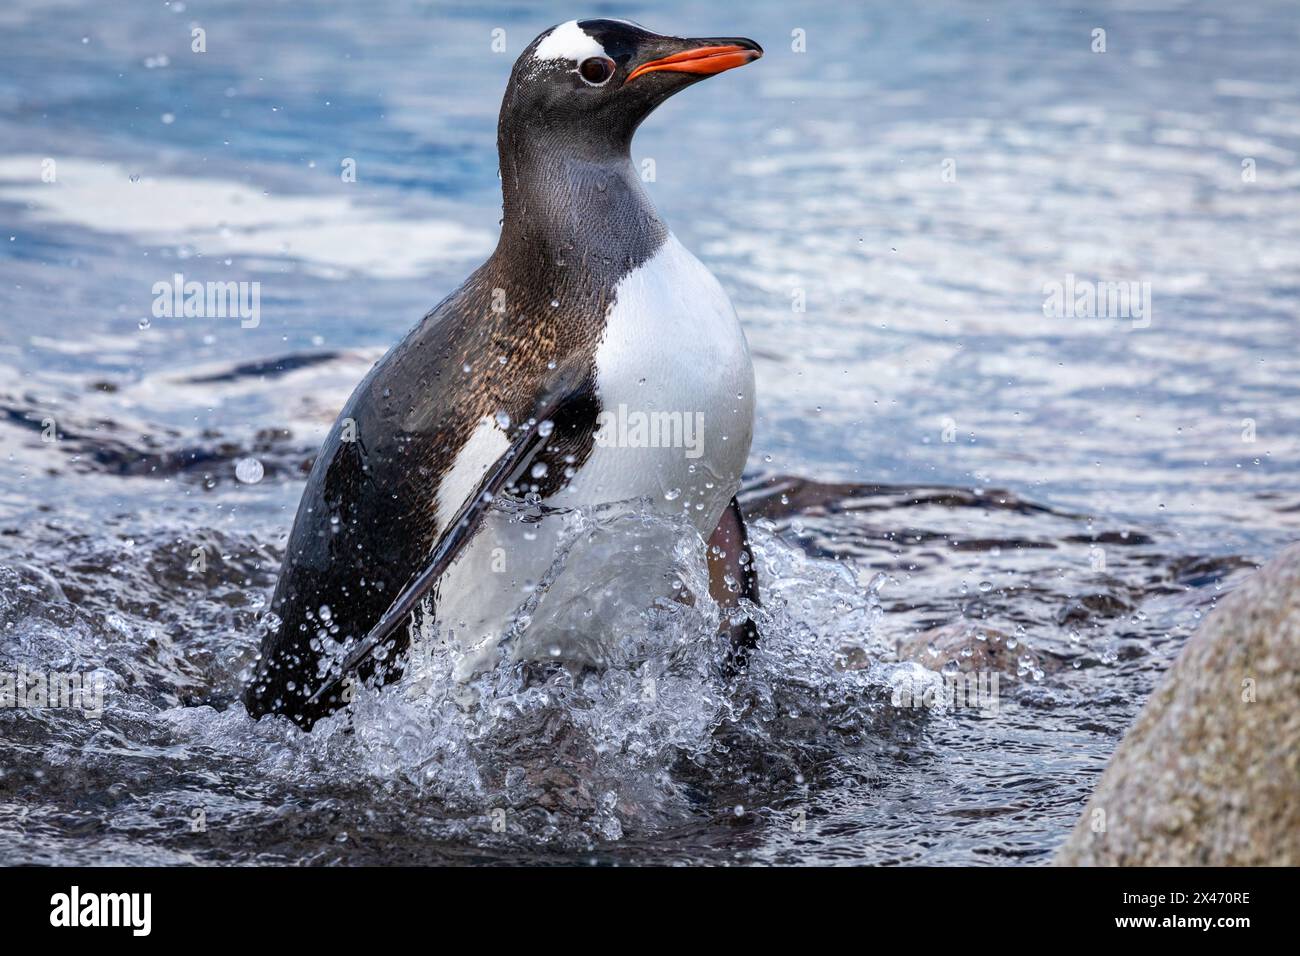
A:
[676,390]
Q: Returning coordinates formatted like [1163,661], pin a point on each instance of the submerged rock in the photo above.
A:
[969,645]
[972,646]
[1209,774]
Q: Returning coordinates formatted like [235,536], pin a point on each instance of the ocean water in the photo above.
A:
[889,196]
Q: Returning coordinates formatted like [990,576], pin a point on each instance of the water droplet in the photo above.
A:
[249,470]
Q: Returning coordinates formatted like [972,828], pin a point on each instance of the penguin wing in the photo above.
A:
[367,537]
[501,476]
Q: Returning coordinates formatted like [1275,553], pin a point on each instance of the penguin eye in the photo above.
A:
[596,70]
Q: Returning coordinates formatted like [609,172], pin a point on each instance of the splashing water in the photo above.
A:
[576,754]
[645,758]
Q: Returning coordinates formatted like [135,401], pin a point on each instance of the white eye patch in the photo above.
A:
[568,41]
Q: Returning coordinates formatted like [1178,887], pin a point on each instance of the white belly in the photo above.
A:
[676,386]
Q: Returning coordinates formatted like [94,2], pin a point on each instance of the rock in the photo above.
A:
[972,647]
[1209,774]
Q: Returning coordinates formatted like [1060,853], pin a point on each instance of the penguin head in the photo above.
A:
[592,82]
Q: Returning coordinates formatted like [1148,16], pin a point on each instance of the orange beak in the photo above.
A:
[706,59]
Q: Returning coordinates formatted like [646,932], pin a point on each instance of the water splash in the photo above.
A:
[548,751]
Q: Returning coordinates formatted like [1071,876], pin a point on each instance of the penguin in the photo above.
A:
[591,362]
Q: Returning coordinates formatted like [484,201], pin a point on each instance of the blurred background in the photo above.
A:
[821,171]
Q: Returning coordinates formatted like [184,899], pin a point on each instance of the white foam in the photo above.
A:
[329,234]
[568,41]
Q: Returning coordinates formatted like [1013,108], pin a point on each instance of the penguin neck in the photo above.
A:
[574,205]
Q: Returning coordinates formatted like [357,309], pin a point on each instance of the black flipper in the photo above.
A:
[732,576]
[504,473]
[363,530]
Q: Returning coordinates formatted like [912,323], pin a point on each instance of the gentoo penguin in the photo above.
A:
[551,378]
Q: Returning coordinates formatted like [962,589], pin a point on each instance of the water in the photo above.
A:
[932,451]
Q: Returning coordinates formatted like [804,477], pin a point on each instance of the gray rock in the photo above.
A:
[1209,774]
